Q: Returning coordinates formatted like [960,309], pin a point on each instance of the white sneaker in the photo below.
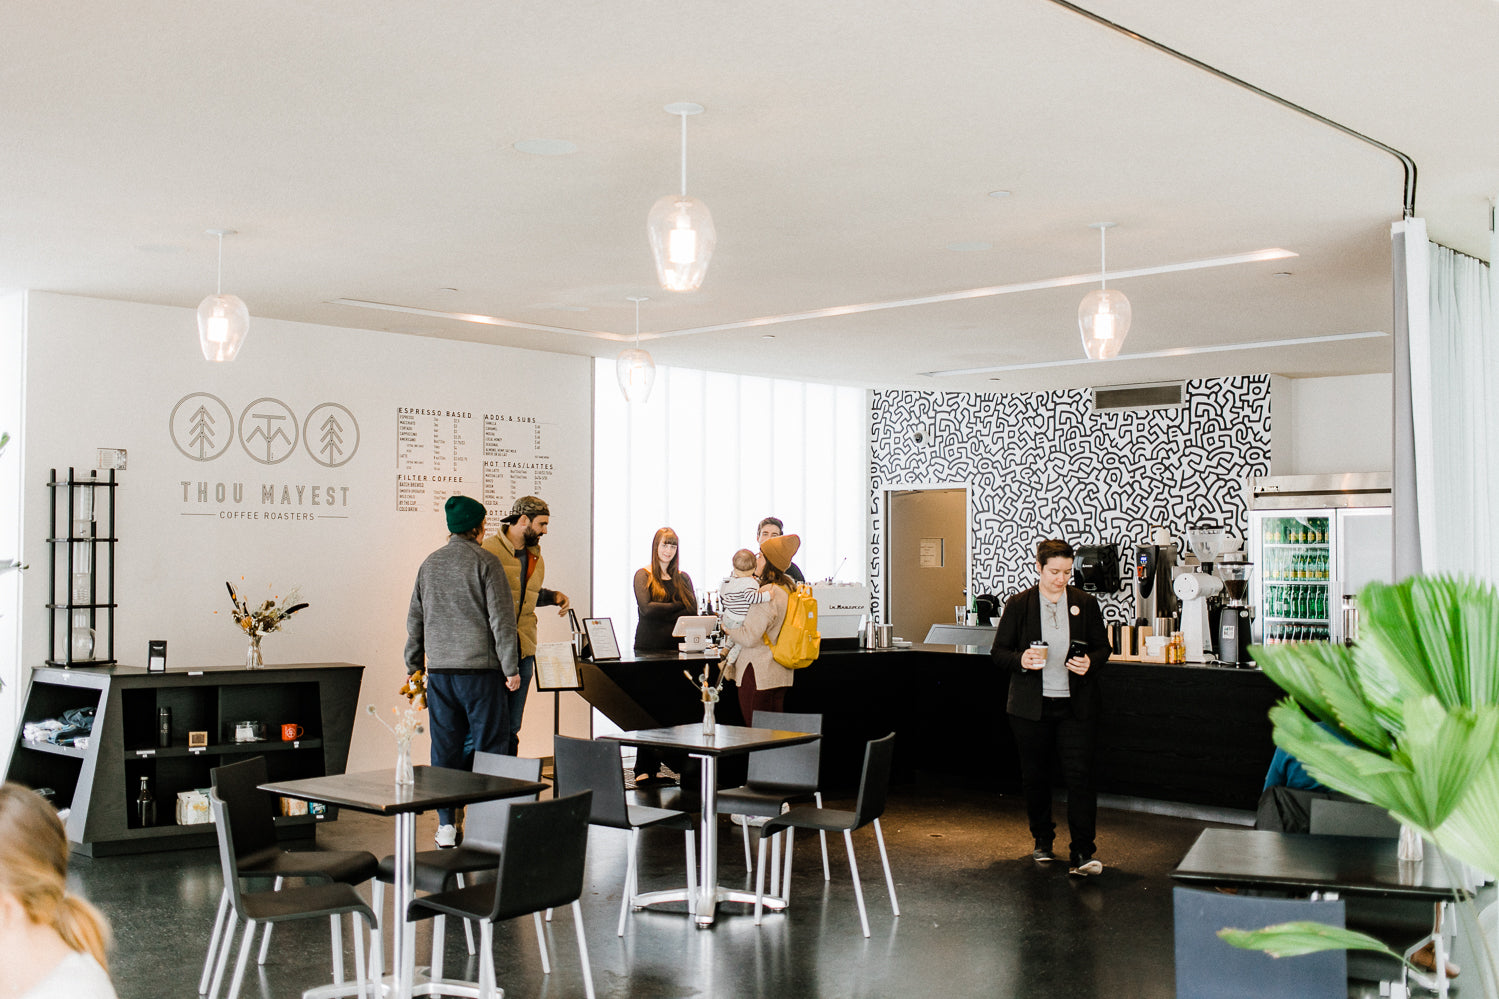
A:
[447,837]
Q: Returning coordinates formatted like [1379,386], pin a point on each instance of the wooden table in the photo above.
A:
[376,792]
[726,740]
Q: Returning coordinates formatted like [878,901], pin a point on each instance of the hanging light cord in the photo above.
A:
[219,290]
[1103,259]
[637,314]
[684,168]
[1406,163]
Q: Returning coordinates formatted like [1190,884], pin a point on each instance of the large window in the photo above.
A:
[710,455]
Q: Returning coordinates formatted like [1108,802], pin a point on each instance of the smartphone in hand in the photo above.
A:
[1077,649]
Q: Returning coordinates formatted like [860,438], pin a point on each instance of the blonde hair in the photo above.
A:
[744,560]
[34,870]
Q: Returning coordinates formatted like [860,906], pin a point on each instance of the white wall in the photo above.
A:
[1343,424]
[109,374]
[12,362]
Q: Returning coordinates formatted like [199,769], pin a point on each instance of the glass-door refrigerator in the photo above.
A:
[1313,545]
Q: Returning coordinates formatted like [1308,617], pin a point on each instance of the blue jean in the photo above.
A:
[517,703]
[467,711]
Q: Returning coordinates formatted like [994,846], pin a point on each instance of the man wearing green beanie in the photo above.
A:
[461,628]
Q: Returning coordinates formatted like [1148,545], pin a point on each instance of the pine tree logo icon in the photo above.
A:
[202,426]
[331,434]
[268,430]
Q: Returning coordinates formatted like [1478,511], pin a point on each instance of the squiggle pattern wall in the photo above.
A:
[1045,464]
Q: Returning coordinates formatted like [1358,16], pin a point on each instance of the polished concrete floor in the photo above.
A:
[978,917]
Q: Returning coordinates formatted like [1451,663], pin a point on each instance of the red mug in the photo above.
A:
[291,731]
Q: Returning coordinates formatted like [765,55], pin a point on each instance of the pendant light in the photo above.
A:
[635,369]
[680,227]
[1103,316]
[223,319]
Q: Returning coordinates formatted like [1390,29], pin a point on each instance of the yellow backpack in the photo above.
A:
[799,642]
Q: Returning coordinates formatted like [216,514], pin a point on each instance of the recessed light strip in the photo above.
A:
[469,317]
[1172,352]
[1257,256]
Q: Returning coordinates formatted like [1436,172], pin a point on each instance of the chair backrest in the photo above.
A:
[484,822]
[793,766]
[1208,968]
[1351,818]
[874,785]
[223,823]
[251,810]
[593,765]
[544,855]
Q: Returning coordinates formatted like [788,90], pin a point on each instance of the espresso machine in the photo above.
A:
[1155,602]
[1234,620]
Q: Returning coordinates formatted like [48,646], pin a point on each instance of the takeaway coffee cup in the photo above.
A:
[291,732]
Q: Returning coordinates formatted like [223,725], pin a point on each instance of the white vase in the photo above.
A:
[1412,847]
[405,772]
[708,723]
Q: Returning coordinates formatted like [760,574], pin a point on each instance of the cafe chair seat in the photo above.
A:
[259,856]
[596,765]
[1209,968]
[540,866]
[483,837]
[874,786]
[777,778]
[270,907]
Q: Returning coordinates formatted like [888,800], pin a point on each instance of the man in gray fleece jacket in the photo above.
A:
[461,627]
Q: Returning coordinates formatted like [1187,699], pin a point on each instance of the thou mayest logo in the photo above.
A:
[203,427]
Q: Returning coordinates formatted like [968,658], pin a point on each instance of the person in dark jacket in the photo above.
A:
[461,627]
[1054,701]
[663,593]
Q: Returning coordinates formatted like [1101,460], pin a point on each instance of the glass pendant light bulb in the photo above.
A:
[223,320]
[635,369]
[1103,315]
[680,227]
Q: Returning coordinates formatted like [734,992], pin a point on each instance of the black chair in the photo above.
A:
[540,866]
[276,906]
[258,855]
[483,834]
[873,787]
[1209,968]
[587,765]
[778,777]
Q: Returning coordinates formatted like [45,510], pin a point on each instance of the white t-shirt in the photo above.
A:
[77,976]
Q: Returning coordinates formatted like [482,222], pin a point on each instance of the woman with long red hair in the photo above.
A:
[663,593]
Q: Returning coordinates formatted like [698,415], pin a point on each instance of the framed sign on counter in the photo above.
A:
[601,637]
[556,667]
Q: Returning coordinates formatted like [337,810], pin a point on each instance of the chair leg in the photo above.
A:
[439,943]
[486,960]
[853,868]
[775,865]
[246,943]
[629,892]
[749,866]
[226,947]
[583,950]
[879,837]
[760,882]
[786,878]
[359,976]
[692,884]
[265,941]
[336,931]
[822,834]
[541,942]
[468,924]
[377,938]
[213,941]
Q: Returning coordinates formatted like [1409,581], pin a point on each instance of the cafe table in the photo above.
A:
[725,740]
[377,793]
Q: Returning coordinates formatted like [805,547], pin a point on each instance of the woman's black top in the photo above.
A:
[658,617]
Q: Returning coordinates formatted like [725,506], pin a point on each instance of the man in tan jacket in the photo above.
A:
[517,545]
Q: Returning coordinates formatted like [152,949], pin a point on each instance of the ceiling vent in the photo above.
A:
[1160,395]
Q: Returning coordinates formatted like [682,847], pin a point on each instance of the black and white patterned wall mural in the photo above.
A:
[1045,464]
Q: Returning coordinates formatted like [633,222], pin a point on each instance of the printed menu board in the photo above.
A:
[493,457]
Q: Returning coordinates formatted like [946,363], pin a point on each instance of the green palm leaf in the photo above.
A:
[1302,937]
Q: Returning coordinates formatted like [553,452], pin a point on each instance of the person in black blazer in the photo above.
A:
[1054,701]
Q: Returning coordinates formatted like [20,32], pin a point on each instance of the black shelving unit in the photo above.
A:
[98,782]
[83,600]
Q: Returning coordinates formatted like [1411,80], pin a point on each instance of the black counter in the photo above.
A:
[1181,732]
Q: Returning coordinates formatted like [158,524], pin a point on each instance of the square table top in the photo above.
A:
[726,740]
[1353,865]
[376,791]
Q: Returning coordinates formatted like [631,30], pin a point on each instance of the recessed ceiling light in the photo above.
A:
[767,336]
[999,194]
[1281,274]
[450,290]
[970,247]
[545,147]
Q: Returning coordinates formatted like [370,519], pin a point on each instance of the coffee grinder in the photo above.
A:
[1234,621]
[1200,590]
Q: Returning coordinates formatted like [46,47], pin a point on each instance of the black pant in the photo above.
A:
[1072,740]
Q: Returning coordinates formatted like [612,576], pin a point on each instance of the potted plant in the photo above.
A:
[1415,709]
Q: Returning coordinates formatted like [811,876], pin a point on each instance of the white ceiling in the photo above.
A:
[364,152]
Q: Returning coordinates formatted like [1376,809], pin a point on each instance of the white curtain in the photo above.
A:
[1464,426]
[709,455]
